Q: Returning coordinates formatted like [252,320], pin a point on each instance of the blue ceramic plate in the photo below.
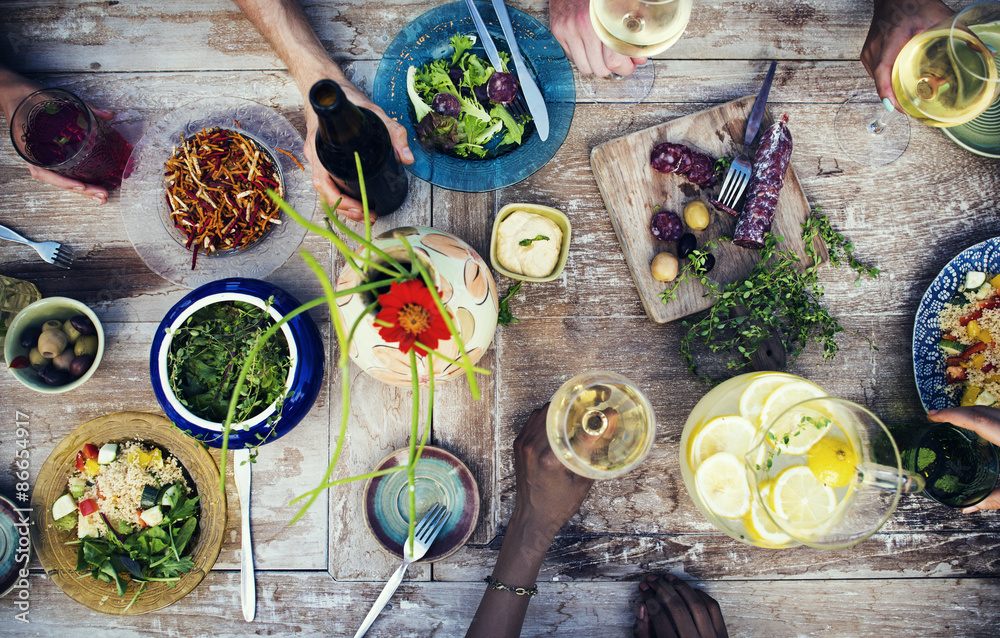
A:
[426,39]
[440,478]
[928,358]
[304,382]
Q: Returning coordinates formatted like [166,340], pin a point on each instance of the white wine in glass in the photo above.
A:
[947,76]
[600,425]
[639,28]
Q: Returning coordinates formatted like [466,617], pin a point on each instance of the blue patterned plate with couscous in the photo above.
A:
[928,357]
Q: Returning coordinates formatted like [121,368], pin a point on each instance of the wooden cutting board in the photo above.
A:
[631,189]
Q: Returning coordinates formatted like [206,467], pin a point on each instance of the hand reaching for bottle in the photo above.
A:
[13,89]
[670,608]
[986,423]
[894,23]
[322,182]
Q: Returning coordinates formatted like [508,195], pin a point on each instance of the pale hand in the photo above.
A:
[350,207]
[570,23]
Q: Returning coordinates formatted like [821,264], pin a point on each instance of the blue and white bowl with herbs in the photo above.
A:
[197,354]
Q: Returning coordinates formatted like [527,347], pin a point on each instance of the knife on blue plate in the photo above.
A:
[532,96]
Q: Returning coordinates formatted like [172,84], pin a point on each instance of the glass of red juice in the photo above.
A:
[55,130]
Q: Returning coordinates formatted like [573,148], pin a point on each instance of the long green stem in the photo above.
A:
[411,466]
[244,371]
[345,381]
[349,479]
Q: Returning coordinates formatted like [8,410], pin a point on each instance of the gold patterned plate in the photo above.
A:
[59,559]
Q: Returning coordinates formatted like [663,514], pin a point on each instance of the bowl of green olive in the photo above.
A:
[54,345]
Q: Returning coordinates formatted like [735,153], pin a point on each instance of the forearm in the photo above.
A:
[13,88]
[501,613]
[284,25]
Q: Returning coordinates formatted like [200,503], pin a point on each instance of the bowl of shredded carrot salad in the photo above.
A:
[197,192]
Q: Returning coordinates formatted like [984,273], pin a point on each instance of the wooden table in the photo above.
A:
[930,571]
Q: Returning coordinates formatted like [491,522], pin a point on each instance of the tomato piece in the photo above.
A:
[976,314]
[80,461]
[953,361]
[90,451]
[973,349]
[991,303]
[989,367]
[142,523]
[88,507]
[955,374]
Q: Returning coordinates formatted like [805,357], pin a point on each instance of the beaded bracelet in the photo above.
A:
[519,591]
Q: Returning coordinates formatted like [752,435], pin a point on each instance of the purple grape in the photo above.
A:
[502,87]
[482,95]
[666,226]
[446,104]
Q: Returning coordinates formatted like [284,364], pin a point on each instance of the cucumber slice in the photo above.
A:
[77,487]
[974,279]
[951,347]
[152,517]
[64,505]
[985,398]
[149,494]
[172,495]
[108,453]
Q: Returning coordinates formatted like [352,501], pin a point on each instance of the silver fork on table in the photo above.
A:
[426,531]
[738,176]
[50,251]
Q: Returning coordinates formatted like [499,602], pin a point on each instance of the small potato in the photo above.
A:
[664,267]
[696,215]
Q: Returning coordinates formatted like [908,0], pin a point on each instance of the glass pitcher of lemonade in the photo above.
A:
[774,461]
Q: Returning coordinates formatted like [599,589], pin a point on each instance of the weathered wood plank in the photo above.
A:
[146,35]
[311,604]
[715,556]
[465,427]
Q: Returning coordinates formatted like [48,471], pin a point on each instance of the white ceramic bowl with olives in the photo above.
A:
[54,345]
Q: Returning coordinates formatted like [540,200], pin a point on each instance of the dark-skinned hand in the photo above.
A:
[670,608]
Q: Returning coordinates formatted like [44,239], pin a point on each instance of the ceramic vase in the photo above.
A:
[467,290]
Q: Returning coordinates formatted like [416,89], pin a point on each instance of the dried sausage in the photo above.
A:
[768,176]
[697,167]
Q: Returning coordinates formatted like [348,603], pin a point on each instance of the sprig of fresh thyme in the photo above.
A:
[778,298]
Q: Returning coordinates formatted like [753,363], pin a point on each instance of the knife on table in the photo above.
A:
[757,113]
[532,96]
[248,586]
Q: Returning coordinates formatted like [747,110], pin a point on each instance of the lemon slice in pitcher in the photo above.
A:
[833,461]
[759,525]
[801,498]
[722,485]
[753,397]
[794,433]
[722,434]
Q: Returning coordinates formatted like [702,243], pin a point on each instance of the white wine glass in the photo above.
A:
[638,29]
[944,76]
[947,75]
[600,425]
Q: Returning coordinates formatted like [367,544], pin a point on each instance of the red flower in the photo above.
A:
[414,316]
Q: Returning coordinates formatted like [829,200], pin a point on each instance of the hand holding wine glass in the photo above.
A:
[570,24]
[894,23]
[983,421]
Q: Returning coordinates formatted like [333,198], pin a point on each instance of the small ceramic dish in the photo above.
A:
[14,556]
[61,308]
[560,219]
[440,478]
